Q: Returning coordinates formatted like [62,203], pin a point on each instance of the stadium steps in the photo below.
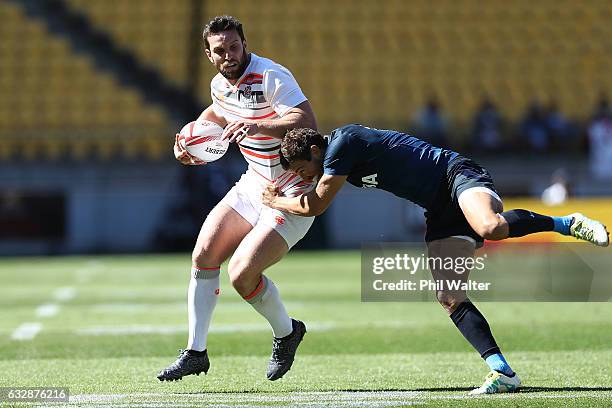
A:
[378,62]
[367,61]
[56,105]
[135,26]
[84,38]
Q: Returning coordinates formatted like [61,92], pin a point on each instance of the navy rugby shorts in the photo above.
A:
[445,218]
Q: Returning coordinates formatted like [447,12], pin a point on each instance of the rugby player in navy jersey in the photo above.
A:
[462,209]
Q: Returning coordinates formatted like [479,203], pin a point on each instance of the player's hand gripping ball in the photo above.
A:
[203,140]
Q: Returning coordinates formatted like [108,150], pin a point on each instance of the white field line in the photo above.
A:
[356,399]
[86,273]
[126,331]
[47,310]
[131,307]
[64,294]
[528,395]
[300,399]
[121,307]
[97,397]
[59,295]
[270,403]
[223,328]
[26,331]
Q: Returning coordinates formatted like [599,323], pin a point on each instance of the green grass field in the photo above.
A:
[107,325]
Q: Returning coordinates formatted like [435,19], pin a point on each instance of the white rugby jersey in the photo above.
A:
[265,91]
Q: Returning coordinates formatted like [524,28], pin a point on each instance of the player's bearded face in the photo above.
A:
[228,54]
[234,68]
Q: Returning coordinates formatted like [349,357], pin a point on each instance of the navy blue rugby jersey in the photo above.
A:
[389,160]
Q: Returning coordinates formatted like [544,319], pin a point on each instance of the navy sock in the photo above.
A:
[523,222]
[474,327]
[497,362]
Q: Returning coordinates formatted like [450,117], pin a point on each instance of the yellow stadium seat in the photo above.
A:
[135,24]
[356,59]
[55,93]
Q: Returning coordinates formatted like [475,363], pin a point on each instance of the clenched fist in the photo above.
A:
[269,194]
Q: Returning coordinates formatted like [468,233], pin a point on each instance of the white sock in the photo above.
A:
[201,301]
[266,300]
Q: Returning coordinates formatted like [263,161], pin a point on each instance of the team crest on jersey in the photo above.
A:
[370,181]
[248,92]
[250,97]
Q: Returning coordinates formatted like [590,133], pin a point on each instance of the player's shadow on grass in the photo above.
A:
[522,389]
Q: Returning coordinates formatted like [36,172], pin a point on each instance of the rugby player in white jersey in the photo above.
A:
[256,101]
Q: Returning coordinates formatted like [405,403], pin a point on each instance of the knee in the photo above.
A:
[491,228]
[203,257]
[450,301]
[243,277]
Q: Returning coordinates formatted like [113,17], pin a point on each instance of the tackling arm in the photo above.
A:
[307,205]
[300,116]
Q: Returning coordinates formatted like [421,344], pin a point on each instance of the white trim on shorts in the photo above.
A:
[465,237]
[481,190]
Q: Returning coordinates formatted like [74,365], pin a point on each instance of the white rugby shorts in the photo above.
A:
[245,198]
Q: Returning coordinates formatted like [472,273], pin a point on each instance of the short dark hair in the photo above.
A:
[296,145]
[220,24]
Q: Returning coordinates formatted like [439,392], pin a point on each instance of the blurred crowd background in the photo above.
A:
[92,93]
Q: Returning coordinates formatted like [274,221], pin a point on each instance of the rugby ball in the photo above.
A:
[202,139]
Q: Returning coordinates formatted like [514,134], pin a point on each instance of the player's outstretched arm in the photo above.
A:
[307,205]
[300,116]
